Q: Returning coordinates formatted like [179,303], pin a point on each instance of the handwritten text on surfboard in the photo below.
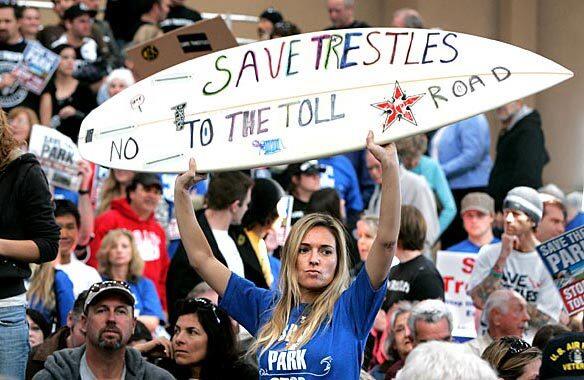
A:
[266,127]
[330,48]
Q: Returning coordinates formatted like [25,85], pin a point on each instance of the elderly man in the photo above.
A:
[430,320]
[108,317]
[407,18]
[505,314]
[341,15]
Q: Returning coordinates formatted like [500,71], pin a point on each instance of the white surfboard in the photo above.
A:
[308,96]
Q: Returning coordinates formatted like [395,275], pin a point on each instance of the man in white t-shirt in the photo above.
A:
[515,264]
[81,275]
[227,200]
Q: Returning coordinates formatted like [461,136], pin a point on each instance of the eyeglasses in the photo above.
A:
[108,284]
[515,346]
[205,304]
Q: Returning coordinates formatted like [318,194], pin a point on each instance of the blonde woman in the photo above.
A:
[113,187]
[120,260]
[50,292]
[21,120]
[28,233]
[316,324]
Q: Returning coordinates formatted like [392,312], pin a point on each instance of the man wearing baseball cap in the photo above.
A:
[477,213]
[108,317]
[135,213]
[515,264]
[304,180]
[78,23]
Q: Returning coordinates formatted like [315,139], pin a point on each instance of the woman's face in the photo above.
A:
[121,252]
[317,259]
[401,331]
[189,341]
[20,127]
[67,65]
[35,334]
[116,86]
[124,176]
[531,370]
[365,237]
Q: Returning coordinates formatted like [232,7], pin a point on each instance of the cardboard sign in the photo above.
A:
[456,268]
[58,156]
[180,45]
[308,96]
[36,67]
[563,257]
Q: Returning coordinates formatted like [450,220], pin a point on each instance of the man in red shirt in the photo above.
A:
[136,214]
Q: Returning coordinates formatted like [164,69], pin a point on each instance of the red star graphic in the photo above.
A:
[399,107]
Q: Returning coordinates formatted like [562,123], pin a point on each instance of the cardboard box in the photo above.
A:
[180,45]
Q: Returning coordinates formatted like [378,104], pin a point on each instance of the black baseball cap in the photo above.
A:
[308,167]
[147,179]
[563,357]
[75,11]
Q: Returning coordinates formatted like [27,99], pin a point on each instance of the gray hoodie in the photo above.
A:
[65,364]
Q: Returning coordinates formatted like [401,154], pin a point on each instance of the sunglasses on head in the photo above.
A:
[515,346]
[204,304]
[108,284]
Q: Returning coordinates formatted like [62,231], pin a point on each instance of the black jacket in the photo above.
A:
[521,156]
[25,214]
[182,278]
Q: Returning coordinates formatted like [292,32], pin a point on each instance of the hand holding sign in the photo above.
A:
[189,178]
[386,155]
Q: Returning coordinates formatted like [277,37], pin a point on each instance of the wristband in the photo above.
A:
[497,275]
[83,192]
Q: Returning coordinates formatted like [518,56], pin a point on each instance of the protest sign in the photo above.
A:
[180,45]
[456,268]
[283,224]
[307,96]
[58,156]
[563,257]
[36,67]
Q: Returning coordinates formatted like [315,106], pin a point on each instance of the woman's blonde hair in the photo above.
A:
[322,307]
[41,285]
[136,266]
[9,146]
[110,190]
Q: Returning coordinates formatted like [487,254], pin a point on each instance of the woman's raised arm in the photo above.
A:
[201,258]
[383,248]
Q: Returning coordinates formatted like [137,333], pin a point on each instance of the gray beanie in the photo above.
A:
[526,200]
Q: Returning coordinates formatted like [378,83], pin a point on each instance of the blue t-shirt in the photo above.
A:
[64,300]
[336,349]
[147,300]
[468,246]
[341,175]
[576,222]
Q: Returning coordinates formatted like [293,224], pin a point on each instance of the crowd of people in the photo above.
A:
[156,276]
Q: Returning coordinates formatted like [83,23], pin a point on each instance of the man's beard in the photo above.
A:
[111,345]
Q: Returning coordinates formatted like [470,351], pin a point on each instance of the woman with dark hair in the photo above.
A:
[28,233]
[327,201]
[38,327]
[66,100]
[258,221]
[203,344]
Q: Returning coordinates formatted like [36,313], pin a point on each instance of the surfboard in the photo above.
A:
[308,96]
